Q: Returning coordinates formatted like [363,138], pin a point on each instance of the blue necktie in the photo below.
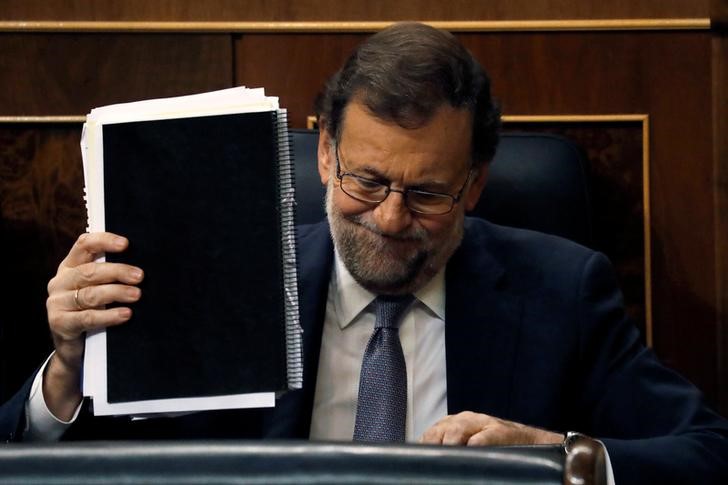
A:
[381,409]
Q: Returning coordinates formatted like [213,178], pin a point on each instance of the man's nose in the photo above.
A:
[392,215]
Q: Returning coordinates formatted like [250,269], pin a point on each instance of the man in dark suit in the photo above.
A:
[512,337]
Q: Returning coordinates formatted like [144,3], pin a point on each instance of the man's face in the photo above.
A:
[386,247]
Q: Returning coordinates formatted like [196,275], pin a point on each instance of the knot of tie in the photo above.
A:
[389,310]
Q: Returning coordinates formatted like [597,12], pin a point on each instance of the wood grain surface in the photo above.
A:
[286,10]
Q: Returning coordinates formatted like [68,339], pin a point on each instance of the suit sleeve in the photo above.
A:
[653,422]
[12,414]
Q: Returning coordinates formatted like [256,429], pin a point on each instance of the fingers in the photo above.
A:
[502,433]
[489,436]
[475,429]
[81,288]
[89,245]
[71,325]
[93,297]
[93,274]
[71,313]
[455,429]
[76,297]
[98,296]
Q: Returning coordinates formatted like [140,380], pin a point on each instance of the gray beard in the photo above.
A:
[372,257]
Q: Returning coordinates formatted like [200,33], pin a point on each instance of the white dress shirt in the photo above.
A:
[40,423]
[348,325]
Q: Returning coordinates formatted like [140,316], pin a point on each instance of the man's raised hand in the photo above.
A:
[77,295]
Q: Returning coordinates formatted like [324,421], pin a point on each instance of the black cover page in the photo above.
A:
[198,199]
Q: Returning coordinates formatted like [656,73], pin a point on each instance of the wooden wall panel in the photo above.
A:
[719,14]
[296,77]
[302,10]
[67,74]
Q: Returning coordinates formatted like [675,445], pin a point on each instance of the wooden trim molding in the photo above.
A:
[354,27]
[609,118]
[647,226]
[42,119]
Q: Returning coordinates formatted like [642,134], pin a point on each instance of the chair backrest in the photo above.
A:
[539,181]
[536,181]
[310,193]
[277,462]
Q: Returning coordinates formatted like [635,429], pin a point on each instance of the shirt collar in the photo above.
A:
[350,298]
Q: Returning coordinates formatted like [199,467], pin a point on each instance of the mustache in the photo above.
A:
[413,234]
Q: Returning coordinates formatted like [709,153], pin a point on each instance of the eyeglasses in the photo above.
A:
[373,192]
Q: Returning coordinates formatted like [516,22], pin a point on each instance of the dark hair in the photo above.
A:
[407,71]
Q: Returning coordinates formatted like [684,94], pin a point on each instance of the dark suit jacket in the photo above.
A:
[535,332]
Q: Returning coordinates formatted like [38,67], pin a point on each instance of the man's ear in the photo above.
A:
[325,146]
[472,196]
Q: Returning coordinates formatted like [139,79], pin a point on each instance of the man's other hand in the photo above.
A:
[474,429]
[77,295]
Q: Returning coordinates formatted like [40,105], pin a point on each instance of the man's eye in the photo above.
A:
[368,184]
[428,198]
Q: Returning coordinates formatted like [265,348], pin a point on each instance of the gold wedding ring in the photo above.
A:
[75,298]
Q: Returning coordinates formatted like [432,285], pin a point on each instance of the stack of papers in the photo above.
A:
[229,101]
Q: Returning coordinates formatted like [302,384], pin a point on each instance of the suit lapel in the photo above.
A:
[482,324]
[291,418]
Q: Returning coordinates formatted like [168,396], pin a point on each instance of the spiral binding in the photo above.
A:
[287,204]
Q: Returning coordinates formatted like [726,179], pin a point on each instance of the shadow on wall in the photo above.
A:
[24,336]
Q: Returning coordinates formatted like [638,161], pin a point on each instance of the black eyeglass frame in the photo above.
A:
[454,199]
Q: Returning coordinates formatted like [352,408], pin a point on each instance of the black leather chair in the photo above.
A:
[310,194]
[536,181]
[291,462]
